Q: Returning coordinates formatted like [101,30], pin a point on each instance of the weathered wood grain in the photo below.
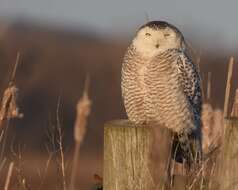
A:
[135,157]
[228,173]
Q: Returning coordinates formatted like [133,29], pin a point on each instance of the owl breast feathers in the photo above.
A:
[163,89]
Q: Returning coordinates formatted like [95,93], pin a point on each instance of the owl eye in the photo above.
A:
[147,34]
[166,35]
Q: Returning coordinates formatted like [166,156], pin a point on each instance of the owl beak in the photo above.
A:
[157,45]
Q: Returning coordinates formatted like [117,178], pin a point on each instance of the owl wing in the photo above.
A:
[191,84]
[190,81]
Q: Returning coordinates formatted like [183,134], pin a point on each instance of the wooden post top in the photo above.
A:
[130,160]
[124,123]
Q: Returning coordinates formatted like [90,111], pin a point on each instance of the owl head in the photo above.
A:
[156,37]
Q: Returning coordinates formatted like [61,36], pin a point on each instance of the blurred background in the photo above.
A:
[60,42]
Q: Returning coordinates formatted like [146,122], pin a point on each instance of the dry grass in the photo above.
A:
[212,120]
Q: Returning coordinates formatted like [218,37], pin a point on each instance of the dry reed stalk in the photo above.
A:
[62,160]
[3,163]
[83,111]
[212,127]
[15,67]
[19,168]
[198,176]
[60,142]
[209,82]
[9,175]
[228,86]
[45,172]
[234,112]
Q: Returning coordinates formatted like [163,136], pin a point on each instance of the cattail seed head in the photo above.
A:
[212,127]
[83,111]
[9,108]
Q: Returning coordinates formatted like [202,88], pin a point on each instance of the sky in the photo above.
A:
[209,20]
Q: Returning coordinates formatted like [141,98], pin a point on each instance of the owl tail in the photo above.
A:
[186,149]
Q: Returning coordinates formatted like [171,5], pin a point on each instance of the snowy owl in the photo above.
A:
[160,83]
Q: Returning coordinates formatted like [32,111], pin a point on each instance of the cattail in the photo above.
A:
[212,127]
[234,112]
[218,123]
[9,108]
[207,116]
[83,111]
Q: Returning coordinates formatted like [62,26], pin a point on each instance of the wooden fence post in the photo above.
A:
[228,178]
[135,157]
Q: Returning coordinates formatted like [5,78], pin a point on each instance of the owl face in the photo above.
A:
[156,37]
